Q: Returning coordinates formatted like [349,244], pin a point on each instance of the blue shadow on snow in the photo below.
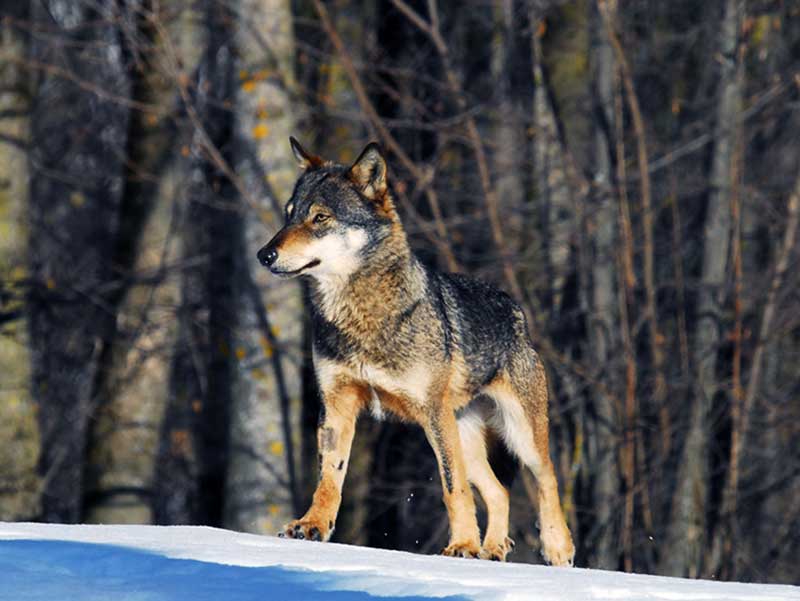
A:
[39,570]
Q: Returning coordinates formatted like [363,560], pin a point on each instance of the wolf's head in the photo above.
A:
[336,218]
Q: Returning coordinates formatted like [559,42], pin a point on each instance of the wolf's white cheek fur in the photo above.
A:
[338,253]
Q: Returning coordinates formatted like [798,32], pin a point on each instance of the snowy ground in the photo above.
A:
[41,562]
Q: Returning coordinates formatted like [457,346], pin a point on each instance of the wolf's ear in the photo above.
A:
[305,159]
[369,172]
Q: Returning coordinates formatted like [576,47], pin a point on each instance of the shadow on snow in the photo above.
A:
[40,570]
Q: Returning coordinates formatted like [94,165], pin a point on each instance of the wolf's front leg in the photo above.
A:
[442,433]
[340,409]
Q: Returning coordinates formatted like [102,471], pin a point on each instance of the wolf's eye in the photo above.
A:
[320,218]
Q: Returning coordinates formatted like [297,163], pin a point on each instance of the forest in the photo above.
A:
[627,170]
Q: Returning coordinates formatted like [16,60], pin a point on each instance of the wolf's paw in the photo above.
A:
[557,548]
[497,551]
[462,549]
[307,528]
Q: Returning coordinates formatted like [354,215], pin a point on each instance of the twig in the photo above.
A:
[651,308]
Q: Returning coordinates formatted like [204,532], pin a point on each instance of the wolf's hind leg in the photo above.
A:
[496,543]
[520,392]
[334,437]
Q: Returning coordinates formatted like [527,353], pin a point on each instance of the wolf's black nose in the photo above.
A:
[267,256]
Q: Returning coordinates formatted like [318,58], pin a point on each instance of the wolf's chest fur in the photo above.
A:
[381,330]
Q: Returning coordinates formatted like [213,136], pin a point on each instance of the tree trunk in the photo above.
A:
[686,537]
[507,126]
[76,176]
[603,320]
[551,180]
[132,384]
[262,483]
[194,446]
[19,484]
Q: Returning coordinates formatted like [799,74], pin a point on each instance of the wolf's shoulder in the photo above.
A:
[475,296]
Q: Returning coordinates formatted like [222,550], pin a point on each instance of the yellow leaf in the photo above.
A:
[260,131]
[77,199]
[18,273]
[274,509]
[50,283]
[240,353]
[249,86]
[276,448]
[266,347]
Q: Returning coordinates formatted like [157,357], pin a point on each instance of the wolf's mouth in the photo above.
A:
[290,274]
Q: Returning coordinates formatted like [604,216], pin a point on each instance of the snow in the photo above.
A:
[41,562]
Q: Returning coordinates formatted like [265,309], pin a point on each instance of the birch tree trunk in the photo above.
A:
[132,385]
[603,319]
[551,180]
[686,537]
[19,483]
[262,482]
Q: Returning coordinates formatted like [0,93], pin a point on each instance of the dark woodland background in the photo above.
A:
[629,171]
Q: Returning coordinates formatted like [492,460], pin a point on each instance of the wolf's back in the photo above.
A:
[481,322]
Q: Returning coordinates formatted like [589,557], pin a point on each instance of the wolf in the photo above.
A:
[445,351]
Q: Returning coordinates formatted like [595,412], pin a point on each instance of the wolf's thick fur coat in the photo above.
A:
[443,350]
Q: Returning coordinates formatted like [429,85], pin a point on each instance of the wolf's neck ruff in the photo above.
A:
[382,292]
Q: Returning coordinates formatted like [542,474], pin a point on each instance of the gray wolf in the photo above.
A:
[443,350]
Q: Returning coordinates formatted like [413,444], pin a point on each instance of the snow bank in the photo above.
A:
[316,570]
